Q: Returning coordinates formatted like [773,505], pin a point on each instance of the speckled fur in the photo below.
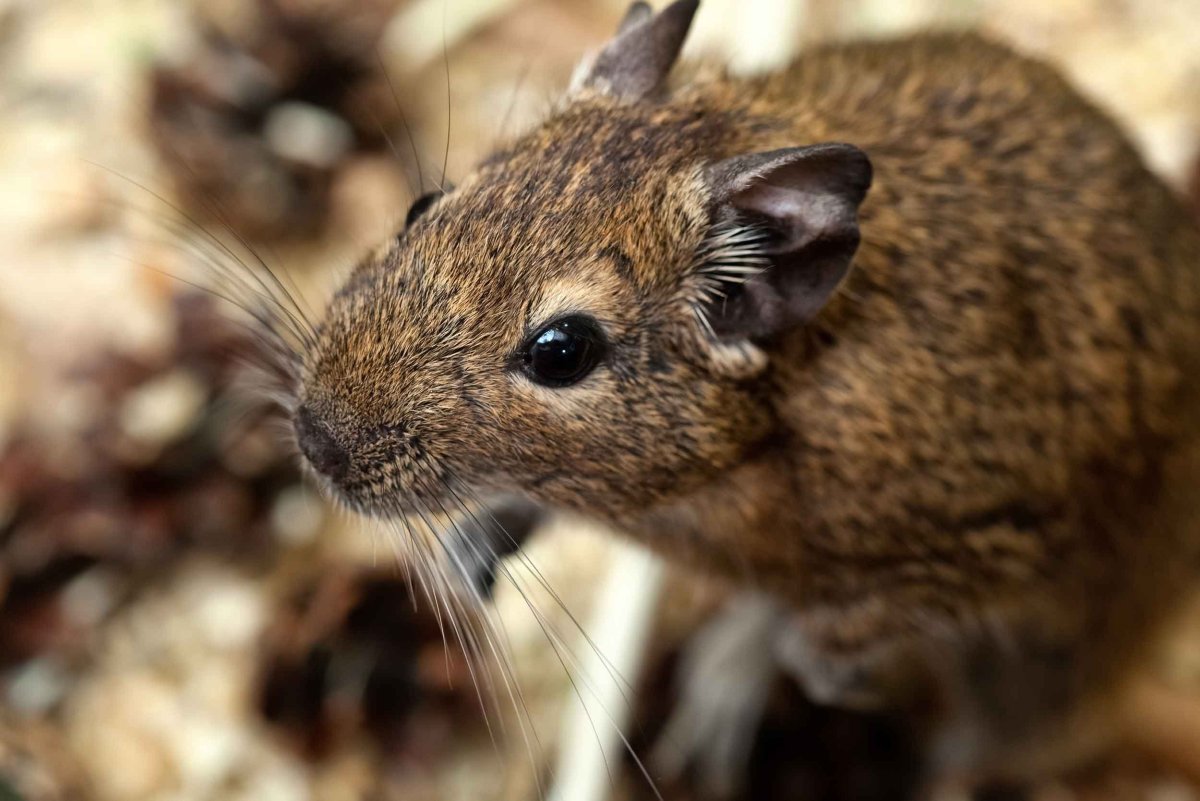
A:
[979,450]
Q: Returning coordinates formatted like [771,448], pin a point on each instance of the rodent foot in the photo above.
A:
[866,680]
[724,679]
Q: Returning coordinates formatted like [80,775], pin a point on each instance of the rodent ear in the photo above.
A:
[637,13]
[798,209]
[637,60]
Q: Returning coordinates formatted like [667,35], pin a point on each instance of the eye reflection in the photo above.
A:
[564,352]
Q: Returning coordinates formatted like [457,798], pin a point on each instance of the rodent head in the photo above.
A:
[580,319]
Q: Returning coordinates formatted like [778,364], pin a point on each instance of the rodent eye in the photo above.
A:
[564,352]
[420,206]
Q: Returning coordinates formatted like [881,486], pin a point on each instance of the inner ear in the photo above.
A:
[787,230]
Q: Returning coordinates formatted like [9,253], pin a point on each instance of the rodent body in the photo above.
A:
[976,448]
[986,427]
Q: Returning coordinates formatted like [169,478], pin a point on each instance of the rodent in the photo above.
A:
[902,335]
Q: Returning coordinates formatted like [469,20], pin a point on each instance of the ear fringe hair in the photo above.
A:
[730,255]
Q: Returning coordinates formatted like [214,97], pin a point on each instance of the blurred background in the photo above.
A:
[180,617]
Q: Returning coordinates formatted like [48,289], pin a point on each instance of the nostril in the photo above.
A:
[319,445]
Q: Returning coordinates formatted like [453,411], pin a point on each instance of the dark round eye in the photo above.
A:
[564,351]
[420,206]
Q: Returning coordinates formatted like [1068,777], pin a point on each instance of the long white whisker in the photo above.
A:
[503,661]
[298,317]
[572,666]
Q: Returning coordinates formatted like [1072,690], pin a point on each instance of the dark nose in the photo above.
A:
[319,446]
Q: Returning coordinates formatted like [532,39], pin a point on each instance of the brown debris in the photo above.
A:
[34,762]
[148,479]
[351,655]
[256,125]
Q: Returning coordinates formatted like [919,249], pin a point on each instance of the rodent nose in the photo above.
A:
[319,446]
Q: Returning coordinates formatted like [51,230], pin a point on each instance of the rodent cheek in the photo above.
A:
[564,402]
[549,435]
[708,424]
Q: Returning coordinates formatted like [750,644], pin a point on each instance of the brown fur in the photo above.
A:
[977,452]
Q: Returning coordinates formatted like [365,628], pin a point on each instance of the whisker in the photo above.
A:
[516,697]
[202,249]
[502,657]
[415,549]
[512,101]
[634,611]
[412,193]
[295,313]
[533,569]
[438,576]
[300,301]
[559,645]
[446,64]
[213,207]
[412,144]
[266,325]
[246,292]
[467,642]
[303,328]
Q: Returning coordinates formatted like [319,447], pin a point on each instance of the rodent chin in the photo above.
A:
[386,500]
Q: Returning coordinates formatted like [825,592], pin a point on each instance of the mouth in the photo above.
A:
[473,540]
[380,493]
